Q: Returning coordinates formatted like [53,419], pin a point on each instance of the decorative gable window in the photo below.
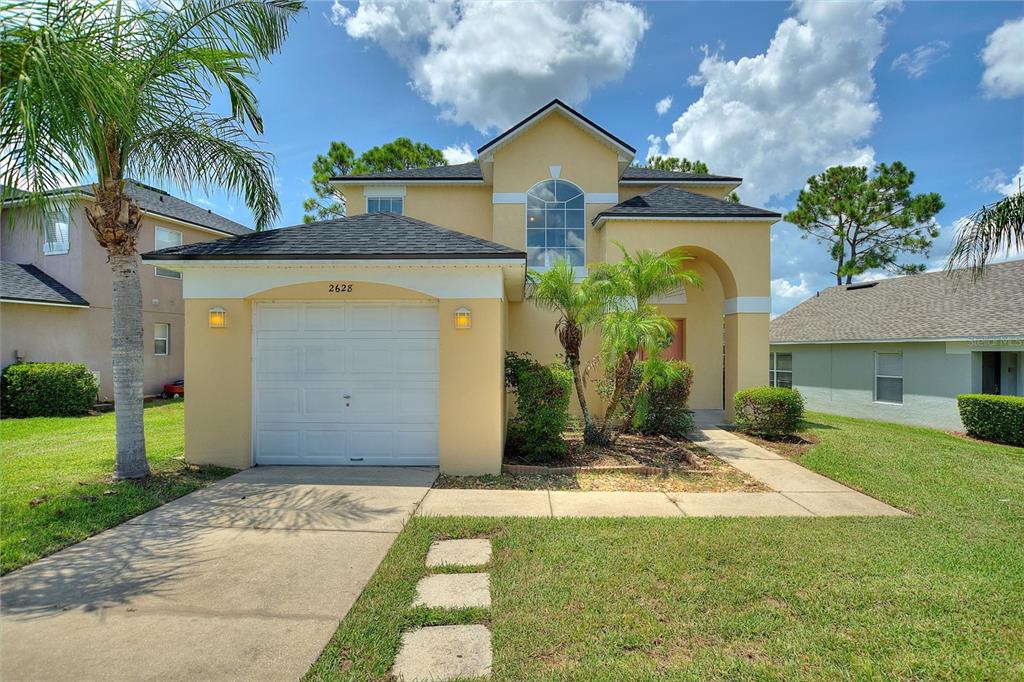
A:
[555,224]
[57,239]
[165,239]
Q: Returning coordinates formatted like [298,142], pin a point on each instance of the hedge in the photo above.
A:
[542,409]
[661,406]
[47,389]
[993,417]
[768,411]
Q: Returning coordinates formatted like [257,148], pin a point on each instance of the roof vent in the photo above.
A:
[860,285]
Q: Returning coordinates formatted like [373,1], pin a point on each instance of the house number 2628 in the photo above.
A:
[339,288]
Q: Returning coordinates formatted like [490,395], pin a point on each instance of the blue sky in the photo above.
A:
[773,92]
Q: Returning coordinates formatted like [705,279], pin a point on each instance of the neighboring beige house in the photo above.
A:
[55,286]
[902,349]
[380,338]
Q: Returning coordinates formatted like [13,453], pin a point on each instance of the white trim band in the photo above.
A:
[508,198]
[748,304]
[378,191]
[601,197]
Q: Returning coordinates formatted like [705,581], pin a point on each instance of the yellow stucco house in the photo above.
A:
[380,338]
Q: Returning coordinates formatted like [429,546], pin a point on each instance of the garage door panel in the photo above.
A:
[319,317]
[309,355]
[278,402]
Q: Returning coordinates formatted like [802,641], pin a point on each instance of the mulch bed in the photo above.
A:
[634,463]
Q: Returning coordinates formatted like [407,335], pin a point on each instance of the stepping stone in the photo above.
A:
[459,553]
[454,591]
[444,652]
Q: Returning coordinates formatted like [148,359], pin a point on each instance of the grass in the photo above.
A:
[932,596]
[55,477]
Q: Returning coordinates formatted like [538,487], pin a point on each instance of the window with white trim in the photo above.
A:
[166,238]
[889,378]
[161,338]
[57,235]
[780,370]
[555,224]
[385,205]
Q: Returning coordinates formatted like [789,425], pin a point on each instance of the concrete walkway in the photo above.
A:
[244,580]
[798,492]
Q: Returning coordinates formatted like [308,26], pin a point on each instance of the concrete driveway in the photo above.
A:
[246,579]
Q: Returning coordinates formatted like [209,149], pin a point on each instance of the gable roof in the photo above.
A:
[930,306]
[368,236]
[29,284]
[553,105]
[666,201]
[158,202]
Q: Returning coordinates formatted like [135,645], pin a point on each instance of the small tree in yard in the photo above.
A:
[579,308]
[632,324]
[97,89]
[867,221]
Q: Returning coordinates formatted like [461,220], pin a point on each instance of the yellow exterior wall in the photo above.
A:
[472,429]
[218,381]
[746,354]
[458,207]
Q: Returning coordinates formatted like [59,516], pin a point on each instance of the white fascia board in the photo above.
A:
[747,304]
[929,339]
[688,219]
[196,264]
[692,183]
[45,303]
[436,282]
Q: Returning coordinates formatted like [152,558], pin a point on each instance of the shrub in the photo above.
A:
[993,417]
[767,411]
[661,406]
[47,389]
[542,409]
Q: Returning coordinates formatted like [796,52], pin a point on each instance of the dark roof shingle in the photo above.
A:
[671,202]
[30,284]
[365,236]
[653,175]
[158,202]
[928,306]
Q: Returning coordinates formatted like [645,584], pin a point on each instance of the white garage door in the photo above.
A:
[346,383]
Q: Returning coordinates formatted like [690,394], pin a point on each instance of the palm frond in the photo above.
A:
[994,229]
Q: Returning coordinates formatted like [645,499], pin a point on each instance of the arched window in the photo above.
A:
[555,224]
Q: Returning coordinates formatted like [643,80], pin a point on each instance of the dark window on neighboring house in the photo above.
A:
[161,338]
[166,238]
[57,238]
[780,370]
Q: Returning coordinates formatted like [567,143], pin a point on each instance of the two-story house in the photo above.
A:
[55,285]
[380,338]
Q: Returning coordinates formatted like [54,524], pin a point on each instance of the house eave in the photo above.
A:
[600,220]
[916,339]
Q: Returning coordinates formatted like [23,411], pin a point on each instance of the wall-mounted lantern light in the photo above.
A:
[218,317]
[463,318]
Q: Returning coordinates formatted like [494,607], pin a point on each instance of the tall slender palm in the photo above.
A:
[993,229]
[634,324]
[95,89]
[578,311]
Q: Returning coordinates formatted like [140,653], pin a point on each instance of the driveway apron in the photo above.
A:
[246,579]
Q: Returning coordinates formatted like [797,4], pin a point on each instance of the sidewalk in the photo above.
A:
[798,492]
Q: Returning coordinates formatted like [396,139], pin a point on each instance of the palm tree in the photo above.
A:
[578,311]
[634,324]
[94,89]
[993,229]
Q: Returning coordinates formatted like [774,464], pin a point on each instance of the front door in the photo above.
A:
[991,371]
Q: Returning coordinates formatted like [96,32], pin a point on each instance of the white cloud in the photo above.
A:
[458,153]
[917,62]
[663,105]
[655,147]
[785,289]
[1013,185]
[804,104]
[491,63]
[1004,61]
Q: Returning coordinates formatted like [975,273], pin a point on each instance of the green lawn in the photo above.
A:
[934,596]
[55,478]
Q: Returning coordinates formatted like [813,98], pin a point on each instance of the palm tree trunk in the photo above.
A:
[127,354]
